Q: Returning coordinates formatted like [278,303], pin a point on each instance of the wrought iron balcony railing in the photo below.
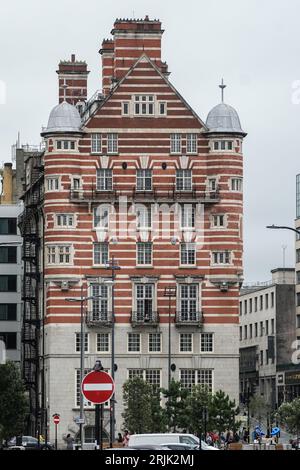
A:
[191,318]
[141,318]
[96,319]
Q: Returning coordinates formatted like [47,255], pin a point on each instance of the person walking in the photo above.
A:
[126,438]
[70,442]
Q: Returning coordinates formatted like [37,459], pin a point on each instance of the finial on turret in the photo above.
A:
[222,86]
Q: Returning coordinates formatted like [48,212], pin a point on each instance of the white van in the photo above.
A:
[164,438]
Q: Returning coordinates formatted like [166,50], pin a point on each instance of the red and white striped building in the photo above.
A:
[136,176]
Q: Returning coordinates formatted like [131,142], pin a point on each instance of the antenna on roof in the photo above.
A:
[222,86]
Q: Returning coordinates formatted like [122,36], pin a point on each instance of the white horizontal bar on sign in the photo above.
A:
[97,387]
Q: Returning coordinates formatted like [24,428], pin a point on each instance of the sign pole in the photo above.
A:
[97,425]
[55,436]
[101,426]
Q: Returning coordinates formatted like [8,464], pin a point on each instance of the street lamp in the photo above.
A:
[283,227]
[170,291]
[82,299]
[113,266]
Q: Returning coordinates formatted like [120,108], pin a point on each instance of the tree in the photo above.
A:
[141,406]
[175,411]
[288,414]
[159,419]
[259,408]
[222,412]
[197,405]
[13,401]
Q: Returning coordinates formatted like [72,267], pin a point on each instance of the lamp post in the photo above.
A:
[283,227]
[112,265]
[82,299]
[170,292]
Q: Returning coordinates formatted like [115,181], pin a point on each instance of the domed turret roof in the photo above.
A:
[63,118]
[224,119]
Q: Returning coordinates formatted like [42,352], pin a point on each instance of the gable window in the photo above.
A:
[104,180]
[162,108]
[112,143]
[143,216]
[236,184]
[218,220]
[221,257]
[175,144]
[144,105]
[188,212]
[125,108]
[96,143]
[187,253]
[143,180]
[101,216]
[144,253]
[59,254]
[53,184]
[65,220]
[8,226]
[183,180]
[101,253]
[191,143]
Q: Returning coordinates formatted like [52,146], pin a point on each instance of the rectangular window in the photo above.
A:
[188,253]
[250,306]
[256,330]
[218,220]
[245,332]
[250,331]
[78,342]
[175,143]
[101,216]
[272,299]
[96,143]
[188,302]
[261,358]
[154,342]
[9,339]
[65,220]
[103,342]
[134,342]
[190,377]
[221,257]
[212,184]
[143,216]
[261,302]
[8,283]
[162,108]
[78,390]
[273,327]
[236,184]
[267,301]
[112,143]
[298,299]
[59,254]
[191,143]
[144,180]
[188,213]
[255,304]
[241,308]
[8,312]
[65,144]
[207,344]
[144,253]
[186,342]
[152,377]
[8,226]
[204,378]
[101,253]
[183,180]
[52,184]
[298,255]
[100,303]
[216,145]
[241,333]
[125,108]
[267,327]
[261,325]
[8,254]
[144,105]
[104,179]
[144,294]
[245,307]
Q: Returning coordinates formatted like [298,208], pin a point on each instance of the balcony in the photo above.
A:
[91,194]
[144,319]
[99,319]
[188,318]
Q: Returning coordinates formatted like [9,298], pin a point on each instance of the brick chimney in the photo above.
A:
[7,184]
[72,80]
[131,39]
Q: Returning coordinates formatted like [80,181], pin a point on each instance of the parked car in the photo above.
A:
[29,443]
[165,438]
[180,446]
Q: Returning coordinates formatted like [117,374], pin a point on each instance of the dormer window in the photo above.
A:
[144,105]
[65,145]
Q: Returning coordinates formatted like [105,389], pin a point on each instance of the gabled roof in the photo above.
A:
[142,57]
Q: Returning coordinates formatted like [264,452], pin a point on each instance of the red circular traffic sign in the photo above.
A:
[56,419]
[97,387]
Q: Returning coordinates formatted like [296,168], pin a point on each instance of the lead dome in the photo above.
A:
[63,118]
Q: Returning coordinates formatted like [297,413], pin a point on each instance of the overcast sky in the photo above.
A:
[254,45]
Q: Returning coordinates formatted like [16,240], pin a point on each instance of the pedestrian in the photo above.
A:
[120,438]
[126,438]
[70,441]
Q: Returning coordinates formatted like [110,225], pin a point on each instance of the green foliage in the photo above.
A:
[13,401]
[197,405]
[142,410]
[258,407]
[175,407]
[222,412]
[288,414]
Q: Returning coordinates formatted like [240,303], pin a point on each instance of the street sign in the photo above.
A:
[56,419]
[98,387]
[79,420]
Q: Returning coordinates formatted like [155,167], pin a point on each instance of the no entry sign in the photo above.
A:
[98,387]
[56,419]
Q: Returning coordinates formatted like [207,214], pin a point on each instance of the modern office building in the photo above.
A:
[133,179]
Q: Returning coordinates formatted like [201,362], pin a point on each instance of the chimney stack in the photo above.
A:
[7,184]
[72,81]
